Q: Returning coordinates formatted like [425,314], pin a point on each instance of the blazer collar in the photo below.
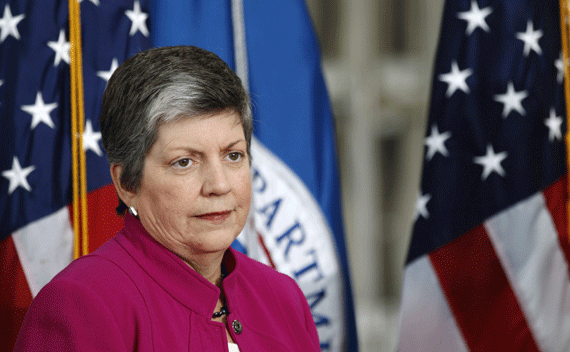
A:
[170,272]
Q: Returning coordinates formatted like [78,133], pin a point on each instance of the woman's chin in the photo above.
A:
[213,243]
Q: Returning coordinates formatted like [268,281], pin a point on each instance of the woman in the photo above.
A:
[176,125]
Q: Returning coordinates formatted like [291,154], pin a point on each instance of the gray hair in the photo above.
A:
[161,85]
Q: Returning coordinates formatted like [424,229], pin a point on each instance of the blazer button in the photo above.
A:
[237,327]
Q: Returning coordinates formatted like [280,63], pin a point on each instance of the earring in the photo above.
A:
[133,211]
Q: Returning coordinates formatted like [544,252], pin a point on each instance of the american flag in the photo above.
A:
[487,267]
[36,237]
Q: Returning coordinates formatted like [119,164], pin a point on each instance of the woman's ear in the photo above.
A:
[126,196]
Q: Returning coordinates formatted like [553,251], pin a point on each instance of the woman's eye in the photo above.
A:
[235,156]
[182,163]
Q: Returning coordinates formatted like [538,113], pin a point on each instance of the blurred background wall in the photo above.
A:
[377,59]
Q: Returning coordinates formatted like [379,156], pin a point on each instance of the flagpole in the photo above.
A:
[81,241]
[240,47]
[564,6]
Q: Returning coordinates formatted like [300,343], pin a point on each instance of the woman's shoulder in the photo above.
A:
[108,262]
[109,273]
[93,293]
[250,267]
[266,295]
[267,278]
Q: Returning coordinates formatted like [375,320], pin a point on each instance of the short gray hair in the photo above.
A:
[161,85]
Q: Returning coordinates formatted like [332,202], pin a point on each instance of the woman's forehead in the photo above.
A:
[219,128]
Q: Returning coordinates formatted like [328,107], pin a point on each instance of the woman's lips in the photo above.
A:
[215,217]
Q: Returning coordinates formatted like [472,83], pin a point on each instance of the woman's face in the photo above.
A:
[195,192]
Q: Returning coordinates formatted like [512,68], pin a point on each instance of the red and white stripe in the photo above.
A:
[503,285]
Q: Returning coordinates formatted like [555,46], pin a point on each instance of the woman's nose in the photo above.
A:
[215,181]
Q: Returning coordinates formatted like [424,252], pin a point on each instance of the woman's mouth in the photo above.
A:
[215,217]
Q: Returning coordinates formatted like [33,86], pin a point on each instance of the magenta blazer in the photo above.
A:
[133,294]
